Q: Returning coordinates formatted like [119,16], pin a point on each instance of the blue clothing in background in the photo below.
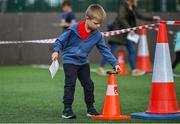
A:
[68,16]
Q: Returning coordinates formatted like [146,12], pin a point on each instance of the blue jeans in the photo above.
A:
[131,47]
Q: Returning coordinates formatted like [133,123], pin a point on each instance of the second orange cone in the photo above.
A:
[111,110]
[120,55]
[143,61]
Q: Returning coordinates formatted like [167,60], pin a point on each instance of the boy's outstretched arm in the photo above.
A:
[105,51]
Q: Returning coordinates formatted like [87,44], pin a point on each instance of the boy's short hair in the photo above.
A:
[66,3]
[96,11]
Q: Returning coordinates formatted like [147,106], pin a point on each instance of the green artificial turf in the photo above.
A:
[29,95]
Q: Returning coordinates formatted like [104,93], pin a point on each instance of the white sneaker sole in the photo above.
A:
[88,115]
[138,74]
[68,117]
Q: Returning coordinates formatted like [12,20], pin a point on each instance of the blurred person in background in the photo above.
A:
[68,17]
[126,18]
[177,51]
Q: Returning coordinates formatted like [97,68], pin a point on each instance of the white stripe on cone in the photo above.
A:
[120,59]
[162,71]
[143,46]
[112,90]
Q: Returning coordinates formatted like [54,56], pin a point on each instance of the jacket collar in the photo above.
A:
[74,28]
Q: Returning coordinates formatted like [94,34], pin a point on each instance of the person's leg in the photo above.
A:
[177,60]
[131,46]
[103,62]
[88,86]
[175,63]
[70,72]
[113,47]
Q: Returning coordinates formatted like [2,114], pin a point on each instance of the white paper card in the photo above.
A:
[54,68]
[134,38]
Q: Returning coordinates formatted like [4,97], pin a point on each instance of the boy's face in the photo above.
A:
[66,8]
[92,24]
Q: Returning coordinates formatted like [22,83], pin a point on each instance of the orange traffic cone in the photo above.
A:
[120,55]
[143,61]
[163,103]
[111,110]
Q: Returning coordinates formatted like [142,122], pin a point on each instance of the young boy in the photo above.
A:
[68,17]
[75,43]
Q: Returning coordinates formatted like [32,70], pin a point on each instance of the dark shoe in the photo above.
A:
[91,111]
[68,114]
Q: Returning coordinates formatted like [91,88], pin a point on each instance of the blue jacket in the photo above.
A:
[177,42]
[75,50]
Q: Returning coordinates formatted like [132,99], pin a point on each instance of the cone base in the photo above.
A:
[111,117]
[163,99]
[148,116]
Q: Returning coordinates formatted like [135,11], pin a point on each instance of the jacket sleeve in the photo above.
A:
[143,17]
[122,17]
[106,52]
[61,41]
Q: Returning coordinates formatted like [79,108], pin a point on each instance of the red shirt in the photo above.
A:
[82,30]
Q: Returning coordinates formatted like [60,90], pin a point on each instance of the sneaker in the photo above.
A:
[91,111]
[68,114]
[101,71]
[137,72]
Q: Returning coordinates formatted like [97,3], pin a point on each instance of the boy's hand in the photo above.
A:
[117,68]
[54,56]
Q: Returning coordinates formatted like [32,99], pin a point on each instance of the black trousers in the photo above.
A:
[177,60]
[82,72]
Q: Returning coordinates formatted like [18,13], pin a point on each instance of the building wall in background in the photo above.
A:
[34,26]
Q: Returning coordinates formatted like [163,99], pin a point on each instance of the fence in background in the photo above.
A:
[81,5]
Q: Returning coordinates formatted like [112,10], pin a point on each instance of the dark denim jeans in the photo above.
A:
[131,46]
[82,72]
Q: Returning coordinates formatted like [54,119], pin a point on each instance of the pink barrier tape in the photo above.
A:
[116,32]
